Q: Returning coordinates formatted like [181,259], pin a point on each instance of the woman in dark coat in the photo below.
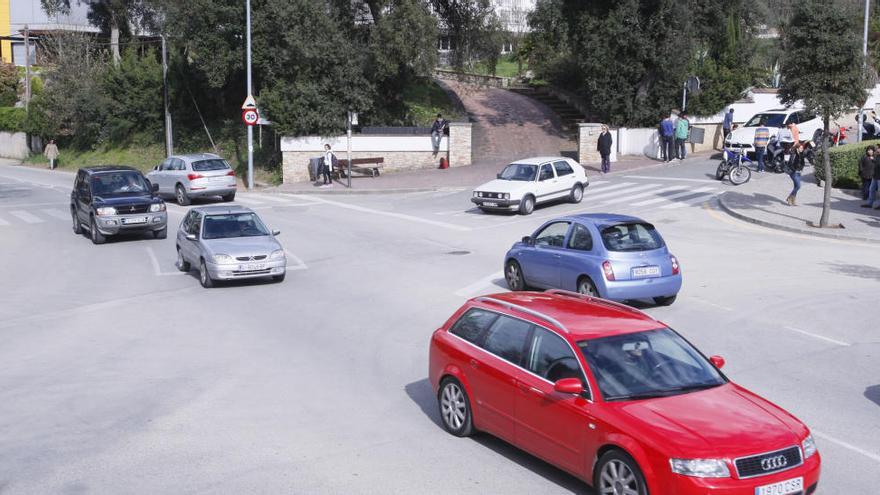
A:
[604,148]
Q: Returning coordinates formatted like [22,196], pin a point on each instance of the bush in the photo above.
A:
[12,119]
[8,85]
[844,164]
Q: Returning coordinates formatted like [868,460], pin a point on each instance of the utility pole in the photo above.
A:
[250,128]
[349,148]
[27,67]
[169,136]
[865,65]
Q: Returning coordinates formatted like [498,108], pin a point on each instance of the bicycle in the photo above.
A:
[732,166]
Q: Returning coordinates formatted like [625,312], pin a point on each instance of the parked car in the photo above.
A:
[616,257]
[188,176]
[228,243]
[776,121]
[111,200]
[614,397]
[526,183]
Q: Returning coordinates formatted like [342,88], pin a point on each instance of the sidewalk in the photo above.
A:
[762,201]
[460,177]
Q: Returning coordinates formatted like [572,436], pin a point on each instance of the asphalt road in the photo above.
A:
[120,375]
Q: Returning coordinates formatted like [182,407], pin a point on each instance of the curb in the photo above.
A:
[348,192]
[815,233]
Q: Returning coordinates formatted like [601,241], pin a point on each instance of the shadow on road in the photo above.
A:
[872,393]
[420,392]
[853,270]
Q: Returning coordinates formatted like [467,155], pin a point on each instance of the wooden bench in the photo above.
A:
[365,166]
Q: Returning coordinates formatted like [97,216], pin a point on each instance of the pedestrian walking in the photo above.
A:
[874,186]
[727,124]
[667,138]
[438,128]
[604,148]
[51,153]
[795,166]
[682,131]
[329,163]
[762,137]
[866,171]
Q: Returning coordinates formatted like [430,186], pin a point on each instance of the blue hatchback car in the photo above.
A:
[615,257]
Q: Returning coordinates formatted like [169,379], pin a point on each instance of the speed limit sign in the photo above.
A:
[250,116]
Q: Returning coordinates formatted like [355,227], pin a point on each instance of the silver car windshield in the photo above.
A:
[233,225]
[208,165]
[519,171]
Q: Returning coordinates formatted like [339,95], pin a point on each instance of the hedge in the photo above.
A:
[844,164]
[12,119]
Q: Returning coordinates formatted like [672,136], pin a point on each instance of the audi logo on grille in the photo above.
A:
[776,462]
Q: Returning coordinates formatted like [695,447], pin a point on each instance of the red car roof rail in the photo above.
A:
[517,307]
[598,300]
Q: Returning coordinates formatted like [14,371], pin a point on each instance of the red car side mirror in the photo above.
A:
[569,386]
[717,361]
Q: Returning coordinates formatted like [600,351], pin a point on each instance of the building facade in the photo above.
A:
[16,15]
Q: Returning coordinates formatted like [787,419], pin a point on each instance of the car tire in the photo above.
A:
[279,278]
[160,234]
[514,277]
[77,226]
[180,195]
[182,264]
[527,205]
[205,276]
[617,469]
[455,408]
[229,197]
[586,287]
[577,194]
[665,301]
[720,171]
[96,236]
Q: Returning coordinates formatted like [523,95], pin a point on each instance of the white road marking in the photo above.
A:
[817,336]
[157,270]
[453,212]
[3,222]
[674,196]
[26,217]
[269,197]
[248,201]
[636,196]
[688,202]
[669,178]
[846,445]
[300,264]
[611,194]
[709,303]
[57,213]
[31,205]
[479,285]
[592,184]
[400,216]
[599,190]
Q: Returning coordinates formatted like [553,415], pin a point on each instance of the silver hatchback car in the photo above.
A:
[189,176]
[228,243]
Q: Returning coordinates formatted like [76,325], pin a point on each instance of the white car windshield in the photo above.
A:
[519,171]
[767,119]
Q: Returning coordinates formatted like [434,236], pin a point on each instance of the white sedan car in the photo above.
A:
[525,183]
[776,121]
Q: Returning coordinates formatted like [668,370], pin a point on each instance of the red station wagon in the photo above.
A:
[614,397]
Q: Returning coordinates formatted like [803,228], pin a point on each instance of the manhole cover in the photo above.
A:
[459,253]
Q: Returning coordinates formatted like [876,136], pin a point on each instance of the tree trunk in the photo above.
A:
[114,41]
[826,201]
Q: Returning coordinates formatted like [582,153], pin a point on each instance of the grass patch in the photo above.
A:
[424,101]
[507,67]
[143,158]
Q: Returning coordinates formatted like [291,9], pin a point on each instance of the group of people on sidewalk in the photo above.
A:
[869,172]
[674,133]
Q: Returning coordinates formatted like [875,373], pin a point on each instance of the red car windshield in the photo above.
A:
[641,365]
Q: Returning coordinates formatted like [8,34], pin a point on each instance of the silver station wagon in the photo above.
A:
[228,243]
[189,176]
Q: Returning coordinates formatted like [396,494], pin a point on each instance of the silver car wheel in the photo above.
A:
[453,406]
[514,278]
[587,288]
[618,479]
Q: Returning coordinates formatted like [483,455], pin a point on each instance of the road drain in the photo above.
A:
[459,253]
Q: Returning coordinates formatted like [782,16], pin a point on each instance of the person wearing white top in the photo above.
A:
[327,166]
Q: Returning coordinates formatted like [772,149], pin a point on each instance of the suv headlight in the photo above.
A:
[157,207]
[809,446]
[277,254]
[106,210]
[700,468]
[223,259]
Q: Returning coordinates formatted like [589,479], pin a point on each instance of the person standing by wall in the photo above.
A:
[437,130]
[762,137]
[51,153]
[874,186]
[682,131]
[667,138]
[328,166]
[866,172]
[727,124]
[795,166]
[604,148]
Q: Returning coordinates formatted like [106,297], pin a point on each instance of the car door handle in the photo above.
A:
[474,364]
[530,389]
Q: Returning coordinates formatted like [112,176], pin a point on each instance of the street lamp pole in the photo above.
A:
[250,128]
[169,135]
[865,62]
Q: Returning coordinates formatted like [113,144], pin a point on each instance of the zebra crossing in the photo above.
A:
[21,217]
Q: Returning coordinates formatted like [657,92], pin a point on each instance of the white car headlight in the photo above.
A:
[277,254]
[156,207]
[476,194]
[809,446]
[106,210]
[223,259]
[700,468]
[506,195]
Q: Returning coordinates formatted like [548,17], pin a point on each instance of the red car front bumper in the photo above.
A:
[686,485]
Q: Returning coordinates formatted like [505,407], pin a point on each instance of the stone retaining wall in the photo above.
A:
[14,145]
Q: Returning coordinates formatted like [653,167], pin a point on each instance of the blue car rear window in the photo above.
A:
[631,237]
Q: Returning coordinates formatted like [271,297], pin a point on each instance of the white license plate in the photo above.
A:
[489,203]
[646,271]
[252,267]
[129,221]
[215,180]
[782,488]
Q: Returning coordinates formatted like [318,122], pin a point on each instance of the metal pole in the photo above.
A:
[865,65]
[169,136]
[684,93]
[250,128]
[349,149]
[27,67]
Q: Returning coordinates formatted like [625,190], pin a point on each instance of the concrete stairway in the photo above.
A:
[569,116]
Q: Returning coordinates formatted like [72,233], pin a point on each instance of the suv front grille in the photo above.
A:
[770,462]
[251,258]
[131,209]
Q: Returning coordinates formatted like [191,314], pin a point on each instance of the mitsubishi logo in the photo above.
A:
[132,209]
[774,463]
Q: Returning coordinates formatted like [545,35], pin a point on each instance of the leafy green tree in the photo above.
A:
[8,85]
[823,67]
[475,31]
[133,95]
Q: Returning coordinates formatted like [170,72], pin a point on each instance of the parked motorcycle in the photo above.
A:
[774,157]
[732,166]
